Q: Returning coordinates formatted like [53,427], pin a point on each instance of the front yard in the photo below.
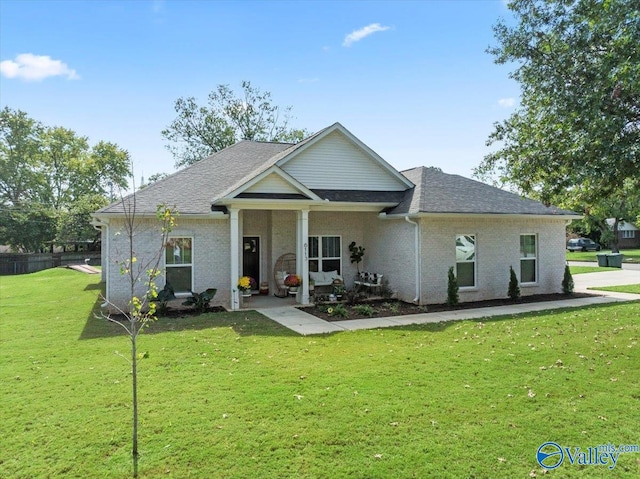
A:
[235,395]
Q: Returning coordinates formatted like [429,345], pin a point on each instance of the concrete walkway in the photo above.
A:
[305,323]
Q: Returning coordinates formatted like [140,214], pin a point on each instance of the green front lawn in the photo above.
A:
[590,269]
[630,255]
[234,395]
[629,288]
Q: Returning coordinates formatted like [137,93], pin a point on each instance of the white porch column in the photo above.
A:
[302,254]
[234,236]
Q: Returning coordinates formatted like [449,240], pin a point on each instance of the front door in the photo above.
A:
[251,257]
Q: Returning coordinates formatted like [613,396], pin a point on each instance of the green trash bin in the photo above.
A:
[614,260]
[602,259]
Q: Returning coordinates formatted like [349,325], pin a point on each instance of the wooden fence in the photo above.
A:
[11,263]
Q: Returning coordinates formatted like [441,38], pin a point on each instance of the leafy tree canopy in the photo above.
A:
[575,140]
[49,179]
[199,131]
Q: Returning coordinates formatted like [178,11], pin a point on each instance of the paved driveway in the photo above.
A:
[630,266]
[606,278]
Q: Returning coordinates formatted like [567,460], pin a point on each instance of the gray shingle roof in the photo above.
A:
[192,189]
[438,192]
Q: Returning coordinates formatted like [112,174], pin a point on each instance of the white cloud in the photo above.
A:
[157,6]
[29,67]
[358,35]
[507,102]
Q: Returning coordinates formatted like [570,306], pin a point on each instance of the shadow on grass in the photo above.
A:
[95,287]
[244,323]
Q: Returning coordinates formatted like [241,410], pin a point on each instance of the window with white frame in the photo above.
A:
[325,253]
[528,258]
[628,234]
[466,261]
[179,263]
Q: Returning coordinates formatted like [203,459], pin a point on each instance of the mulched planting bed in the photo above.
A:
[384,308]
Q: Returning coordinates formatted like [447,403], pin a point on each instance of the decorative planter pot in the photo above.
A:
[293,289]
[246,294]
[264,288]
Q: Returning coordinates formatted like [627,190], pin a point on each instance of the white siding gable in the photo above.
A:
[272,184]
[335,163]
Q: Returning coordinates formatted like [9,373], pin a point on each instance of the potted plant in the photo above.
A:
[293,281]
[338,289]
[357,252]
[246,284]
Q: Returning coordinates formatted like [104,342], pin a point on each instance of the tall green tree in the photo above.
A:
[199,131]
[27,228]
[49,177]
[575,139]
[609,213]
[20,157]
[72,226]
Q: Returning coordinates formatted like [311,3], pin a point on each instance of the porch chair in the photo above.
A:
[285,265]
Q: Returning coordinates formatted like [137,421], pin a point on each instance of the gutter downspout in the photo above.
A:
[417,257]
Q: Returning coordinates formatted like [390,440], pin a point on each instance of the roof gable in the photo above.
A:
[335,159]
[273,183]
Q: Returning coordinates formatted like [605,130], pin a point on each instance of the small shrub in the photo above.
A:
[364,309]
[567,281]
[338,310]
[514,288]
[452,289]
[392,307]
[163,297]
[200,301]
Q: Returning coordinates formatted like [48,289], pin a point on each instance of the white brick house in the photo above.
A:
[245,206]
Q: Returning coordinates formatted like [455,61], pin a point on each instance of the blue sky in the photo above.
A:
[410,79]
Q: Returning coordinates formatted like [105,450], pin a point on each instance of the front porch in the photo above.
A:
[318,240]
[267,301]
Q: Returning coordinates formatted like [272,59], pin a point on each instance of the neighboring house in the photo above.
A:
[244,207]
[628,234]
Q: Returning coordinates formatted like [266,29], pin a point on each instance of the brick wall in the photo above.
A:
[391,252]
[629,242]
[497,247]
[210,256]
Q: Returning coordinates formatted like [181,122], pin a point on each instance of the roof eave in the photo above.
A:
[481,215]
[313,205]
[142,214]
